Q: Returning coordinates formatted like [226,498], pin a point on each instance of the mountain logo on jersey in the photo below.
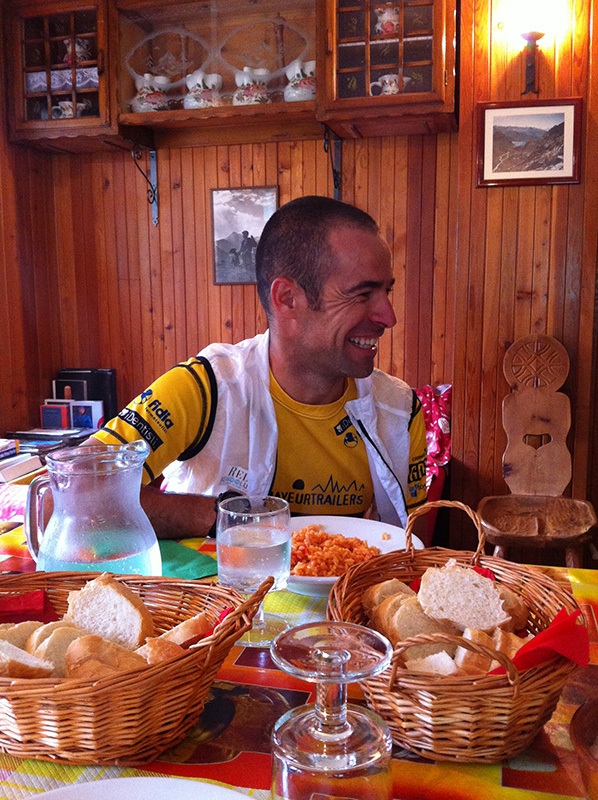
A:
[332,494]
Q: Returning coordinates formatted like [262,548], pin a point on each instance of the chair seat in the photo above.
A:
[536,520]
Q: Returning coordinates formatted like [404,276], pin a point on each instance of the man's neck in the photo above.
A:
[308,388]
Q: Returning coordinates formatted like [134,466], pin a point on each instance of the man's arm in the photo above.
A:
[177,516]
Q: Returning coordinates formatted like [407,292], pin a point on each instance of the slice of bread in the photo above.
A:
[461,596]
[470,662]
[18,663]
[18,633]
[409,620]
[514,607]
[109,609]
[54,647]
[435,664]
[381,615]
[39,635]
[91,657]
[189,631]
[375,594]
[156,650]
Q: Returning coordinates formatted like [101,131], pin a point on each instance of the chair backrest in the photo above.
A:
[536,417]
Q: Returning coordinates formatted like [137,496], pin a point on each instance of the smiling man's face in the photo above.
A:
[340,338]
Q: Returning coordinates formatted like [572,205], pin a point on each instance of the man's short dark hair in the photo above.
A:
[295,244]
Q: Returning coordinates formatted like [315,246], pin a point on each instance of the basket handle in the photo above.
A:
[513,675]
[250,605]
[473,515]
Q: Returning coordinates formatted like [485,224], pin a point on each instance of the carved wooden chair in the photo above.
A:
[536,462]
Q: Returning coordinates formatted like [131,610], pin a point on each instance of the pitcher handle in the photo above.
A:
[34,513]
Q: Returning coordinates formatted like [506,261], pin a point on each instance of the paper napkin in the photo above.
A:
[182,562]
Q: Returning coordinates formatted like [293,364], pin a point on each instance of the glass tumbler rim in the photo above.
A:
[228,506]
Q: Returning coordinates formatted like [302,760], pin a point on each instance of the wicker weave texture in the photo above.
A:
[130,718]
[481,719]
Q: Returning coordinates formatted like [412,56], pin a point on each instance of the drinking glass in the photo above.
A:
[253,542]
[331,749]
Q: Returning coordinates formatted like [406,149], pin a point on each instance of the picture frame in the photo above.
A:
[529,142]
[238,219]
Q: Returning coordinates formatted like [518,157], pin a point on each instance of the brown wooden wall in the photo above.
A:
[88,281]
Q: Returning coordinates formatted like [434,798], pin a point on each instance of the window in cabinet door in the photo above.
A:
[60,65]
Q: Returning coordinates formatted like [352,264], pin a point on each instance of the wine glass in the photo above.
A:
[253,542]
[331,748]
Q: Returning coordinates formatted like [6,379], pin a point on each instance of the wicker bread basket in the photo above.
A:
[130,718]
[481,719]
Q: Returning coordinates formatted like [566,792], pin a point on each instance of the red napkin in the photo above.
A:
[31,605]
[562,637]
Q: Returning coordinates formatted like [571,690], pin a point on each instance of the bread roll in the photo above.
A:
[507,643]
[92,657]
[54,647]
[18,663]
[18,633]
[461,596]
[156,650]
[380,615]
[109,609]
[435,664]
[375,594]
[409,620]
[470,662]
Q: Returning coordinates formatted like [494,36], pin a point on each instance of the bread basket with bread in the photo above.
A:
[436,699]
[114,705]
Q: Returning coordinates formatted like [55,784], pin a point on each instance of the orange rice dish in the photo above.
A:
[317,554]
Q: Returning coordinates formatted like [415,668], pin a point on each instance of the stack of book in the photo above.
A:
[13,463]
[81,398]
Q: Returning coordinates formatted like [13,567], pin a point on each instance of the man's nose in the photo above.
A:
[383,313]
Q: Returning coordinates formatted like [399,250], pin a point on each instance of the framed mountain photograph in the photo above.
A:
[238,217]
[529,142]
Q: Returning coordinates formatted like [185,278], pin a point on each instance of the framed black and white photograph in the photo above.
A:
[529,142]
[238,217]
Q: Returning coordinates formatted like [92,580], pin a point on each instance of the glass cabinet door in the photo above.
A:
[59,65]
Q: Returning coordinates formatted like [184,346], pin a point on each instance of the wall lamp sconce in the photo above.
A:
[531,60]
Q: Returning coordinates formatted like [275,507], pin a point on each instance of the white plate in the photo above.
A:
[371,531]
[143,789]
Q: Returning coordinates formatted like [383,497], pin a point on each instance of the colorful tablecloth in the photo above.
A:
[230,744]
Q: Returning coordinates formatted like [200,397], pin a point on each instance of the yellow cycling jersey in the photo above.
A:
[322,465]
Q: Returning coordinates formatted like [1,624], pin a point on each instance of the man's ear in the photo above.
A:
[286,297]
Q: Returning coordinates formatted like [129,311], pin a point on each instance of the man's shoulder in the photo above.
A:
[383,382]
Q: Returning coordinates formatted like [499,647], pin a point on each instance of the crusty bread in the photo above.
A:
[435,664]
[157,649]
[189,631]
[507,643]
[39,635]
[461,596]
[374,595]
[470,662]
[410,620]
[514,607]
[18,663]
[54,647]
[107,608]
[92,657]
[381,614]
[18,633]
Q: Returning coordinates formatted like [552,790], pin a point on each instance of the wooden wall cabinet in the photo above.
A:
[61,95]
[141,70]
[386,68]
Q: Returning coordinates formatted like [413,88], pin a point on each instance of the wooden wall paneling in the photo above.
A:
[81,172]
[524,262]
[202,225]
[237,177]
[188,222]
[140,220]
[441,256]
[558,248]
[168,175]
[155,261]
[386,220]
[361,174]
[212,181]
[413,278]
[398,243]
[541,258]
[447,332]
[225,305]
[284,173]
[178,179]
[427,249]
[253,173]
[271,178]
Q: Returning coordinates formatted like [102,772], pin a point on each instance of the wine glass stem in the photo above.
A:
[258,619]
[331,711]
